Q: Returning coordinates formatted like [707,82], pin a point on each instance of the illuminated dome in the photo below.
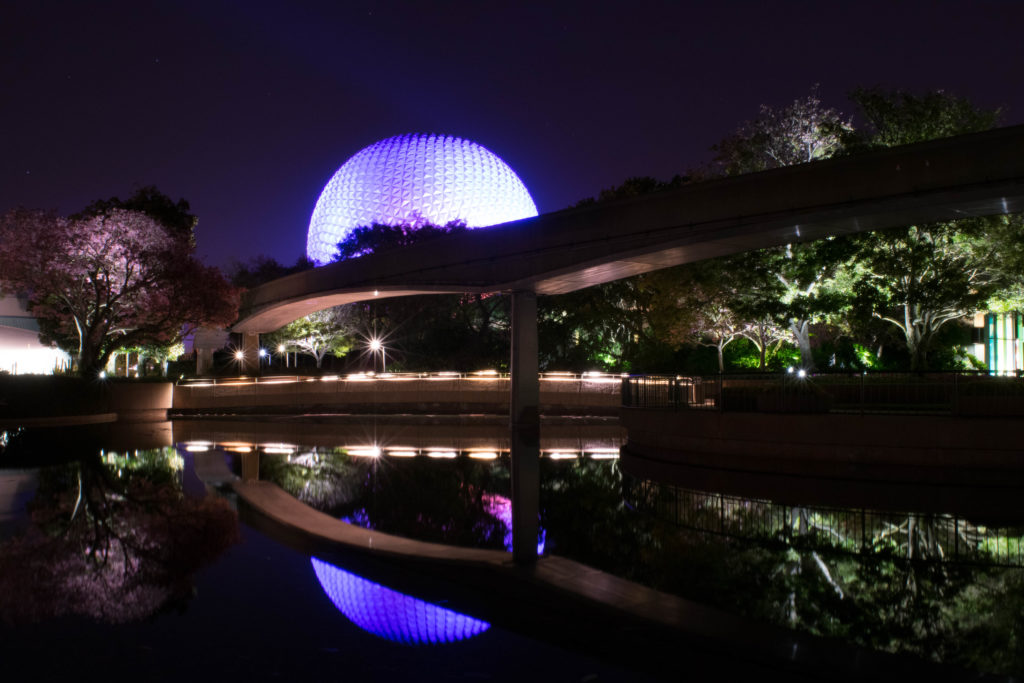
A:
[413,180]
[392,615]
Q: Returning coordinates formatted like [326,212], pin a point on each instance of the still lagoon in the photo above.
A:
[136,561]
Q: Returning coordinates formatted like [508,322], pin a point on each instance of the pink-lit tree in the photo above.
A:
[110,281]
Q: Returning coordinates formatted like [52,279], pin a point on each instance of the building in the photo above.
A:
[21,352]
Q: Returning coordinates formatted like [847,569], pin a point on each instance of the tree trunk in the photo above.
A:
[917,330]
[800,329]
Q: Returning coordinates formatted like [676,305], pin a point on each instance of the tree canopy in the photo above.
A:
[328,331]
[175,216]
[108,281]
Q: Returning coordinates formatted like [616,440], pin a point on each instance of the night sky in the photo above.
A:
[246,109]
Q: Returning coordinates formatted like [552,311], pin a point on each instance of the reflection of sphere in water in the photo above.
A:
[392,615]
[413,180]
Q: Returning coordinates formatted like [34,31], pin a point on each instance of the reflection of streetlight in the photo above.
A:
[375,346]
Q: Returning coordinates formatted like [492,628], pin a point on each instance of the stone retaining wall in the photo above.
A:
[398,394]
[917,449]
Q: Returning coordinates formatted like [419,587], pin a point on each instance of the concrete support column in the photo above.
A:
[251,350]
[206,341]
[251,466]
[204,361]
[524,423]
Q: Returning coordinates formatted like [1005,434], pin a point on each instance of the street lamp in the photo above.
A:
[375,346]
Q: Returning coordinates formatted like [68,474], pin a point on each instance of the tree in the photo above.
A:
[899,117]
[802,132]
[921,277]
[801,289]
[264,269]
[109,281]
[636,186]
[433,332]
[176,217]
[319,333]
[380,237]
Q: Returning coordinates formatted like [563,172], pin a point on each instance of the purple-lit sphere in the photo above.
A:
[414,180]
[391,615]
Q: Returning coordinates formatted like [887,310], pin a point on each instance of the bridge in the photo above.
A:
[971,175]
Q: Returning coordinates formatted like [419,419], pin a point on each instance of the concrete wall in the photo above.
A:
[142,401]
[397,394]
[40,400]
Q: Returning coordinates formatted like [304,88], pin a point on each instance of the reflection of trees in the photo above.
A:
[113,538]
[883,581]
[322,479]
[428,499]
[587,519]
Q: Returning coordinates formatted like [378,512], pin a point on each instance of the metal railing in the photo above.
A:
[902,535]
[941,392]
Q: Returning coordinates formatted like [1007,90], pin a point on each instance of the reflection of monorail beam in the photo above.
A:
[415,435]
[911,535]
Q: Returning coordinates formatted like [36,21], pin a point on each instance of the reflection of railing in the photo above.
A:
[946,392]
[369,449]
[907,535]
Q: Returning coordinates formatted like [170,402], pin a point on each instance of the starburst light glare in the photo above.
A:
[414,180]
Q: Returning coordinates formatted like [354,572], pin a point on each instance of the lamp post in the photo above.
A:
[375,346]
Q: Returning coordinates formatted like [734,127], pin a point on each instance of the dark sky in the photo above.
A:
[247,108]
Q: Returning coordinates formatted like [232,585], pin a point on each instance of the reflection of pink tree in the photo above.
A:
[109,550]
[500,508]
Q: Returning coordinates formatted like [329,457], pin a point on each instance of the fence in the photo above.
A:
[947,392]
[905,535]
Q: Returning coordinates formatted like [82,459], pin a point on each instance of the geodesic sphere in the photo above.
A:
[414,180]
